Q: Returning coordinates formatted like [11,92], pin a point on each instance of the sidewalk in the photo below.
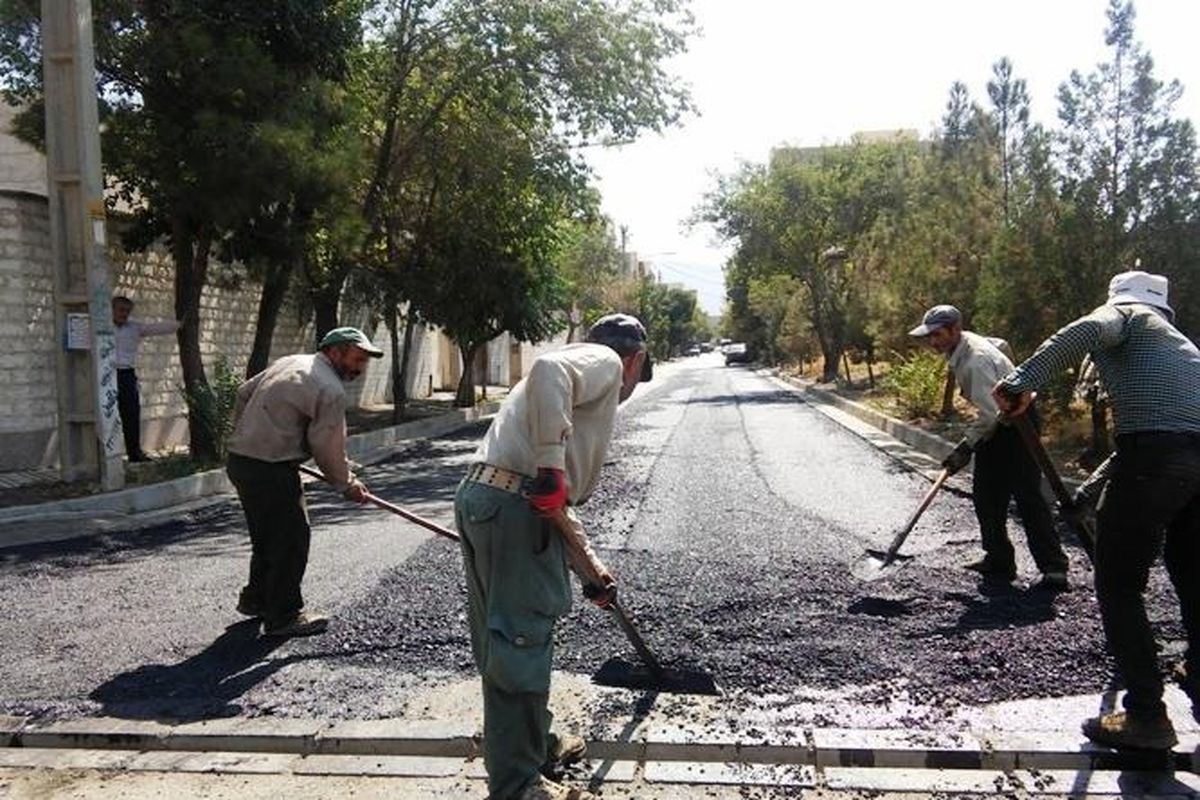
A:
[152,504]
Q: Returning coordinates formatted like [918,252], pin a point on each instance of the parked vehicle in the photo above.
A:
[736,353]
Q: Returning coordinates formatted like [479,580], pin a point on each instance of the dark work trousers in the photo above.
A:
[129,406]
[517,587]
[277,517]
[1004,470]
[1151,504]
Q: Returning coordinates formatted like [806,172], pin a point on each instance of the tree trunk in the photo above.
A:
[190,252]
[325,299]
[465,396]
[846,364]
[401,391]
[274,292]
[948,394]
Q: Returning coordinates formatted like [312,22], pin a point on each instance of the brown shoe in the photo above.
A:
[303,624]
[1127,732]
[544,789]
[565,750]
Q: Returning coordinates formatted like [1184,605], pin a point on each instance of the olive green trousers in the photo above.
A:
[517,586]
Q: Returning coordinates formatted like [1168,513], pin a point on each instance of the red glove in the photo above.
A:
[548,494]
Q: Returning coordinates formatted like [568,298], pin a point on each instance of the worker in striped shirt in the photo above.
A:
[1151,372]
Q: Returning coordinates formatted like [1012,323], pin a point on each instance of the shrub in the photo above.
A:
[917,382]
[211,406]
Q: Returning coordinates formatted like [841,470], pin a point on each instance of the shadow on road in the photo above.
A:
[1001,608]
[205,686]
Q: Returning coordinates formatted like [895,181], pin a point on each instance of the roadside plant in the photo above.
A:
[210,405]
[917,382]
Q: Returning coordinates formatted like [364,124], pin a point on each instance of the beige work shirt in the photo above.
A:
[294,409]
[561,415]
[978,365]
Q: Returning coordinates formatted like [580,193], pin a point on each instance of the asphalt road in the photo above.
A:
[730,511]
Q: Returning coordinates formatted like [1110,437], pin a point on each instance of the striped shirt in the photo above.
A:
[1150,370]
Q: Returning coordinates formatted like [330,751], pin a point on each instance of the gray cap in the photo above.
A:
[625,334]
[935,318]
[349,336]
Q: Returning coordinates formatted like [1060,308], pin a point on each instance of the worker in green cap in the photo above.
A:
[293,410]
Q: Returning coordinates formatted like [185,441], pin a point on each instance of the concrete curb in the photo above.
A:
[929,444]
[820,748]
[138,507]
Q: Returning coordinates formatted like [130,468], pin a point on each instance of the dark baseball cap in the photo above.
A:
[935,318]
[349,336]
[625,334]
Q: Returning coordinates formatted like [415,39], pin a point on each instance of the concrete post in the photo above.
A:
[89,426]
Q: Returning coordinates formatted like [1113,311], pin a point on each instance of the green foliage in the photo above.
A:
[917,382]
[210,405]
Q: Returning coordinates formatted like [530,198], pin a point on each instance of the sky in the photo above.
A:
[811,72]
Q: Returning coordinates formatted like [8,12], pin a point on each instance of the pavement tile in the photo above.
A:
[63,758]
[1126,784]
[691,772]
[583,772]
[716,742]
[96,732]
[895,748]
[889,779]
[239,763]
[447,738]
[10,726]
[1053,750]
[275,735]
[401,766]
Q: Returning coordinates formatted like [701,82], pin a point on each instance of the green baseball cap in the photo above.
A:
[349,336]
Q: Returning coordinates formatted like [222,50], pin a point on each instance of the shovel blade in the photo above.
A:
[629,675]
[876,565]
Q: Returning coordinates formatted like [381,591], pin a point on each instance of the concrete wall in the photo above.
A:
[28,426]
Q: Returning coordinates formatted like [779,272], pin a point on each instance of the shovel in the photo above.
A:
[1080,527]
[652,675]
[427,524]
[874,564]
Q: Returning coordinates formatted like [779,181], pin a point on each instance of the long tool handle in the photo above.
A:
[912,521]
[427,524]
[594,582]
[635,639]
[1033,443]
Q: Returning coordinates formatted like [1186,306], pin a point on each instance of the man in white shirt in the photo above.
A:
[1004,468]
[127,334]
[542,453]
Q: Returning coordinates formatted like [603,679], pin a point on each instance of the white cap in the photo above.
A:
[1139,287]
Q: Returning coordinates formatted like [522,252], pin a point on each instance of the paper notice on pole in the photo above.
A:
[79,332]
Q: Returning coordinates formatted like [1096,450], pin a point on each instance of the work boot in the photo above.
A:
[1053,582]
[993,572]
[545,789]
[565,750]
[1127,732]
[303,624]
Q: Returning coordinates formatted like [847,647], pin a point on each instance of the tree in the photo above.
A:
[1010,110]
[203,104]
[583,69]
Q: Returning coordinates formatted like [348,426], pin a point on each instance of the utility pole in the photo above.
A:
[89,427]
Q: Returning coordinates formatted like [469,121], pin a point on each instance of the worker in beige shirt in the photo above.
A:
[541,455]
[1004,468]
[293,410]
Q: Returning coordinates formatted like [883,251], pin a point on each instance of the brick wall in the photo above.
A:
[29,421]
